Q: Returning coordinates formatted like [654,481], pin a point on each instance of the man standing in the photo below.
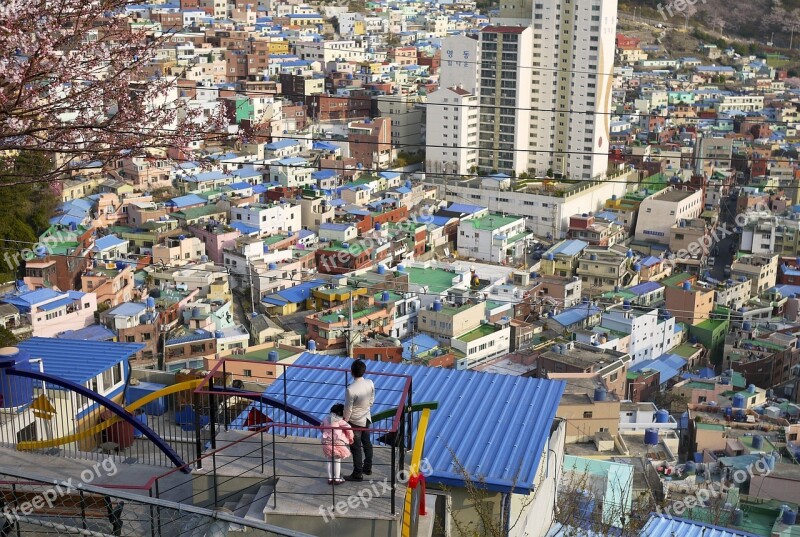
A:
[359,397]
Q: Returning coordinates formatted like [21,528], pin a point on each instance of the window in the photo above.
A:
[247,372]
[587,415]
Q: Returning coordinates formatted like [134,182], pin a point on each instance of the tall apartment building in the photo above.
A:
[561,77]
[452,131]
[504,90]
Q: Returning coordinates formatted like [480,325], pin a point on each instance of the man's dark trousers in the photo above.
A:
[362,462]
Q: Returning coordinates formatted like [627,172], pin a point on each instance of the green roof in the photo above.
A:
[197,212]
[334,317]
[437,280]
[699,385]
[262,355]
[272,239]
[477,333]
[490,222]
[686,350]
[710,426]
[766,344]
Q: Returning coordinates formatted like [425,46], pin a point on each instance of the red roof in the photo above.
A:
[505,29]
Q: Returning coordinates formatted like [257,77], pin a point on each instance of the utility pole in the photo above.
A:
[252,293]
[350,327]
[791,38]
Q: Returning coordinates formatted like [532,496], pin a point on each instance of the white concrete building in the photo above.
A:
[504,89]
[179,250]
[744,103]
[732,294]
[659,212]
[760,270]
[268,218]
[325,51]
[333,231]
[481,344]
[452,131]
[569,107]
[493,237]
[459,64]
[292,172]
[651,334]
[546,212]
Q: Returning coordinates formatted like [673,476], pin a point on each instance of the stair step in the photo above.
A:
[241,510]
[259,502]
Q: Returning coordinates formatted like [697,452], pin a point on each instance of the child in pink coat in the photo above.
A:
[336,442]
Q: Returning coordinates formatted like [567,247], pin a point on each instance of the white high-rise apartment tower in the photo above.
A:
[562,80]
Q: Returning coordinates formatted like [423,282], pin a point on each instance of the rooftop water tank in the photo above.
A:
[751,388]
[549,257]
[272,266]
[600,394]
[272,356]
[651,437]
[150,302]
[41,251]
[758,441]
[15,391]
[738,401]
[789,517]
[377,226]
[181,237]
[385,296]
[401,268]
[437,305]
[662,416]
[585,505]
[204,259]
[687,285]
[312,345]
[120,265]
[637,267]
[381,269]
[629,254]
[219,334]
[737,517]
[345,245]
[626,304]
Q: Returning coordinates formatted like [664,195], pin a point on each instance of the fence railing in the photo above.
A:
[35,506]
[257,423]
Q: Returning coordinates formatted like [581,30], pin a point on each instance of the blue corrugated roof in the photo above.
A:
[570,247]
[244,229]
[109,241]
[670,526]
[239,186]
[95,332]
[497,437]
[668,366]
[280,144]
[323,174]
[293,295]
[185,201]
[464,208]
[422,342]
[259,189]
[576,314]
[645,287]
[55,304]
[334,226]
[197,335]
[78,360]
[650,261]
[127,309]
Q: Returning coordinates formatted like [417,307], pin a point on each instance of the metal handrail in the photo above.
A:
[140,499]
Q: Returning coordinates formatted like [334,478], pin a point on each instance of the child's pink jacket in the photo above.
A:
[336,442]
